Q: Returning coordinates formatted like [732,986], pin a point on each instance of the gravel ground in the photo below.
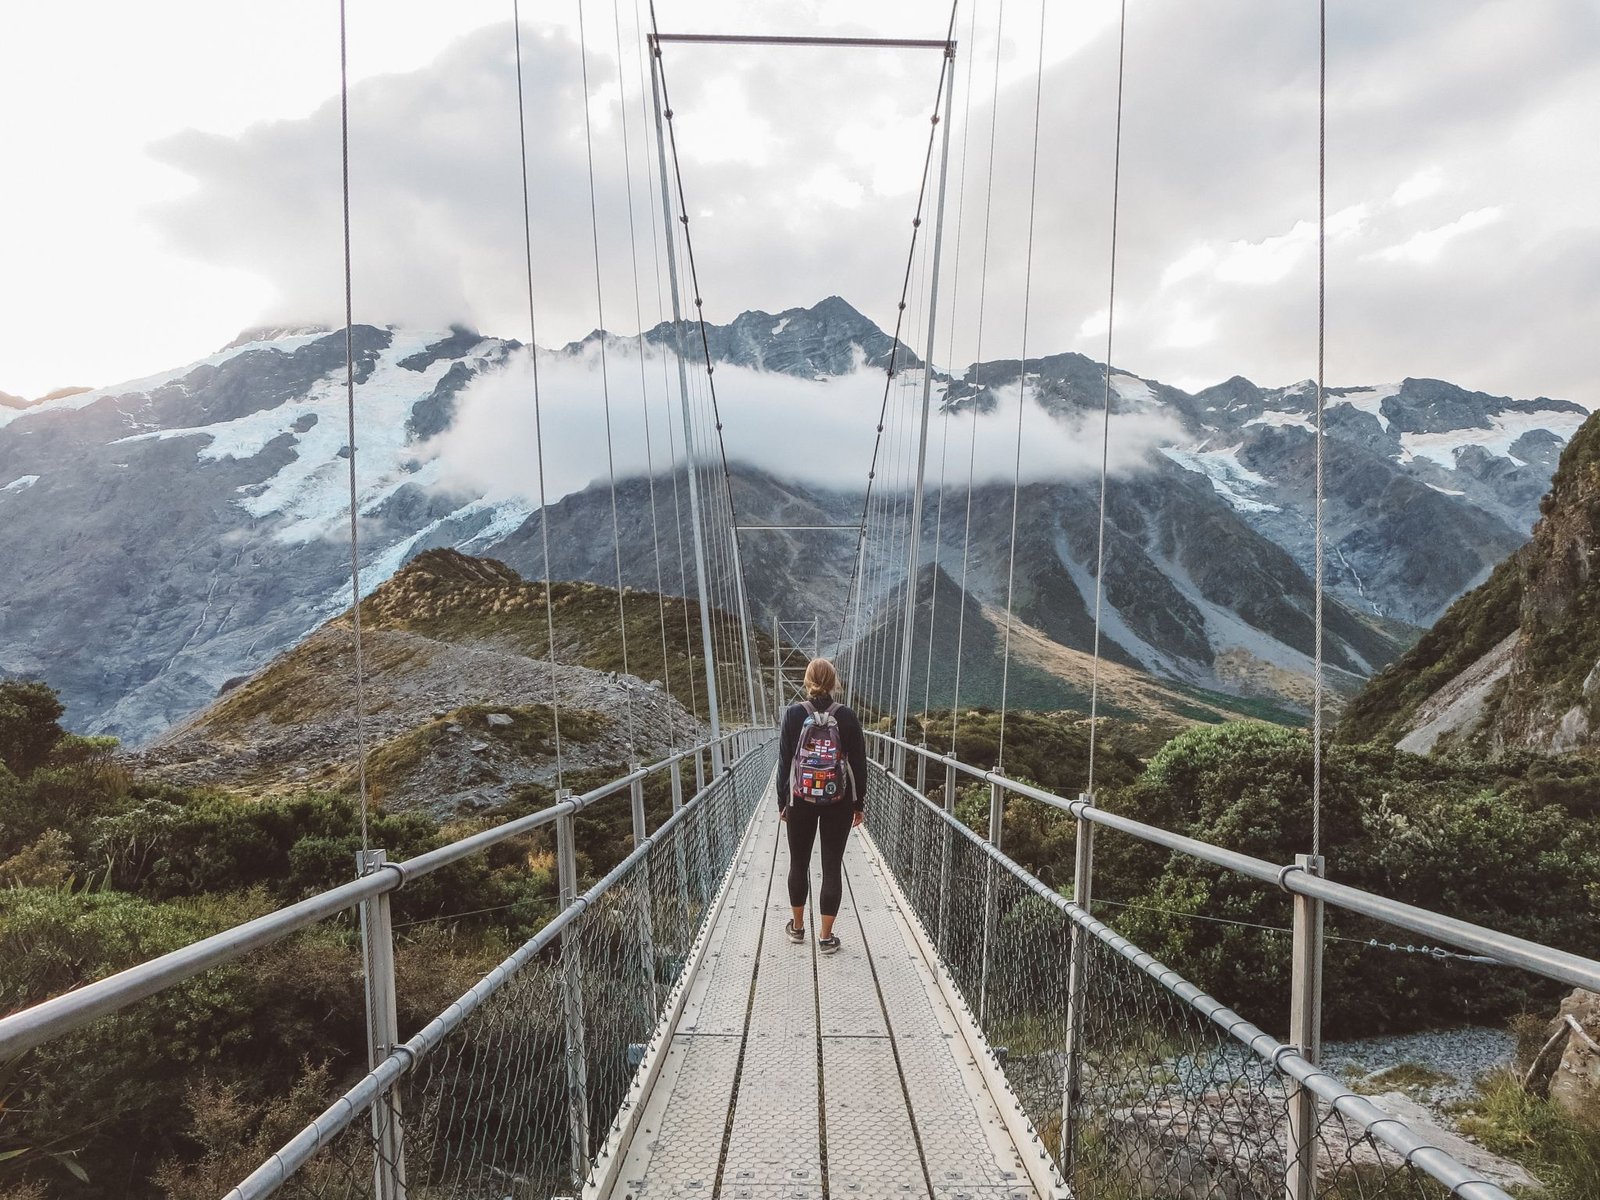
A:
[1461,1056]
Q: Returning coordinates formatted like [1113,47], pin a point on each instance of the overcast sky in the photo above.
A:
[175,178]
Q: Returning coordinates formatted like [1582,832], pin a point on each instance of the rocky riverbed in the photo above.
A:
[1437,1069]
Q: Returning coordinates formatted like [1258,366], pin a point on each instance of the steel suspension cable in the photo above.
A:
[1105,429]
[644,387]
[900,312]
[350,412]
[889,666]
[950,362]
[605,379]
[889,629]
[1022,393]
[666,385]
[933,598]
[977,361]
[538,414]
[910,552]
[1322,289]
[695,439]
[716,553]
[705,343]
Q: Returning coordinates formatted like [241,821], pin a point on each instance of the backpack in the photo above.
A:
[820,770]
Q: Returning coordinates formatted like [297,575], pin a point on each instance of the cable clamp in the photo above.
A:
[1283,875]
[396,868]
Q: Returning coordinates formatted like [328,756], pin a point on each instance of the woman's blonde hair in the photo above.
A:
[821,678]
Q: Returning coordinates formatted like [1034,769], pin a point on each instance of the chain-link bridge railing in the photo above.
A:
[522,1084]
[1137,1084]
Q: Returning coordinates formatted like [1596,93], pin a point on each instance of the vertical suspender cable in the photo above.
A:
[933,596]
[1322,275]
[950,362]
[644,387]
[856,579]
[732,519]
[350,411]
[538,415]
[977,359]
[666,386]
[1105,429]
[657,93]
[931,295]
[1022,393]
[605,381]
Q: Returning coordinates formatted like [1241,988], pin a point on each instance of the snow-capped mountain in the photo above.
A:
[163,537]
[1428,484]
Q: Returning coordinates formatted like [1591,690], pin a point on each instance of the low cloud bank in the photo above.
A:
[816,432]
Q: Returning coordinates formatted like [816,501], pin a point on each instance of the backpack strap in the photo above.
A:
[794,767]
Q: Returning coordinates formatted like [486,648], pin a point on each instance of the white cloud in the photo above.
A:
[1427,245]
[816,431]
[1420,186]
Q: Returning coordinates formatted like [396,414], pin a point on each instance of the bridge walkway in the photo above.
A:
[797,1075]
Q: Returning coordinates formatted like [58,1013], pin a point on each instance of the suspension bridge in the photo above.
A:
[982,1034]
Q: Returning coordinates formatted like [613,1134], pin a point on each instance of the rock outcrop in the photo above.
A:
[1515,663]
[1567,1069]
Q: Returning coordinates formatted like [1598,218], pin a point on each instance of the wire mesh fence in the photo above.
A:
[517,1088]
[1142,1087]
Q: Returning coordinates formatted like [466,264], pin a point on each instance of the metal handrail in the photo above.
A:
[1562,966]
[300,1149]
[50,1019]
[1288,1060]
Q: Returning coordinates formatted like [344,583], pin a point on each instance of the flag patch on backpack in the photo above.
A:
[819,770]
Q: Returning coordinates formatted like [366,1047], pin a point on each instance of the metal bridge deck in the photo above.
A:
[796,1075]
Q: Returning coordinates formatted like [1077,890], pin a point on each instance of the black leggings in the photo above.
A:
[804,820]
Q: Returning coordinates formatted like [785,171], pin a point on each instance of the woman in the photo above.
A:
[822,771]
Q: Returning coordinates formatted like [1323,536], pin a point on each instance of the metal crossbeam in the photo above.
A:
[793,528]
[763,39]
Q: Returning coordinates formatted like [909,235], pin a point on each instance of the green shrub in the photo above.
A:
[1450,836]
[30,715]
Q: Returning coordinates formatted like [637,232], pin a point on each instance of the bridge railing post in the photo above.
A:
[997,811]
[1082,896]
[572,998]
[679,854]
[704,832]
[922,769]
[947,835]
[644,890]
[383,1033]
[1305,1033]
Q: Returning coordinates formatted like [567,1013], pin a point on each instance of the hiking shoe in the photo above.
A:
[797,936]
[828,945]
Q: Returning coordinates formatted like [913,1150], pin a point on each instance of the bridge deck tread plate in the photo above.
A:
[772,1146]
[968,1149]
[773,1142]
[720,992]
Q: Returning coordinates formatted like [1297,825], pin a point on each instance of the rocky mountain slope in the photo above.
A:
[1043,673]
[1516,661]
[458,690]
[163,537]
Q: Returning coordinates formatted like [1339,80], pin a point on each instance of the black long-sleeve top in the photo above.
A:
[851,740]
